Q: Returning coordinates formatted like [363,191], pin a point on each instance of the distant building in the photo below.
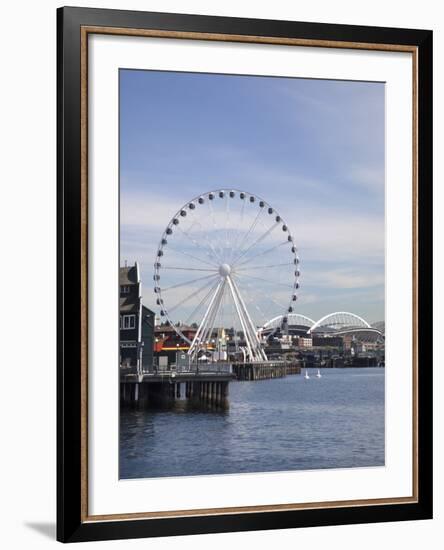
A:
[328,341]
[301,342]
[359,346]
[136,323]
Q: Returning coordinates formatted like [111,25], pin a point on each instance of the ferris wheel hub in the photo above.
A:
[224,270]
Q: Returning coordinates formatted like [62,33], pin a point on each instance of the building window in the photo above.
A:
[129,321]
[125,289]
[128,344]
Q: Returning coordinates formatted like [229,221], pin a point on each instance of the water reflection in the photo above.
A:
[290,423]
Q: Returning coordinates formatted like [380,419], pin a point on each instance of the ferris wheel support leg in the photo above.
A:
[254,342]
[249,329]
[241,317]
[202,330]
[206,336]
[195,343]
[259,353]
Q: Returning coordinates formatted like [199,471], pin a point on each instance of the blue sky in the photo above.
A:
[313,149]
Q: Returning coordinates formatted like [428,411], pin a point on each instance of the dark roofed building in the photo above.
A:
[147,338]
[130,288]
[136,323]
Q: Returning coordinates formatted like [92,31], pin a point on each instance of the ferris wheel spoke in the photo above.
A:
[201,303]
[227,215]
[188,268]
[265,280]
[212,264]
[239,232]
[262,266]
[227,219]
[247,233]
[215,254]
[192,295]
[256,242]
[216,229]
[243,284]
[211,253]
[261,254]
[280,306]
[185,283]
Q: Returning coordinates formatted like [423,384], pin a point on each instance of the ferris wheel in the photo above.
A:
[225,265]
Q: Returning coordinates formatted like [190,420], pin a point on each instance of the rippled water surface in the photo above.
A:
[289,423]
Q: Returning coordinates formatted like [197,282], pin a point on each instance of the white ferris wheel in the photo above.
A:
[226,264]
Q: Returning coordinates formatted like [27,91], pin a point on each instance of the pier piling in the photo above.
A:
[165,389]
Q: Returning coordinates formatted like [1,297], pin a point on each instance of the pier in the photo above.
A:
[265,370]
[204,386]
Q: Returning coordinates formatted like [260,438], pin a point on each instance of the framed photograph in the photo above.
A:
[244,274]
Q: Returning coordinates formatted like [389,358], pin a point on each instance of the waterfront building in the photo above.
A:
[302,342]
[328,341]
[136,323]
[167,342]
[167,338]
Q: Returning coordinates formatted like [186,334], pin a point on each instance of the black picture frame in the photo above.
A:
[72,525]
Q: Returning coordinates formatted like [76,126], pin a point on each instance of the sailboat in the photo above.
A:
[306,375]
[318,374]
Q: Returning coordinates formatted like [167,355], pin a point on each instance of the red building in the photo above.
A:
[167,339]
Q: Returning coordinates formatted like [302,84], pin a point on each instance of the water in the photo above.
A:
[283,424]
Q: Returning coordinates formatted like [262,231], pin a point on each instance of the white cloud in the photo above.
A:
[146,212]
[319,231]
[339,251]
[345,279]
[323,235]
[368,177]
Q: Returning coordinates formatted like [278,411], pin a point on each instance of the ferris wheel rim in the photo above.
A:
[175,221]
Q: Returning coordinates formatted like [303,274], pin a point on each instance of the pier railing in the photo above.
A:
[214,368]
